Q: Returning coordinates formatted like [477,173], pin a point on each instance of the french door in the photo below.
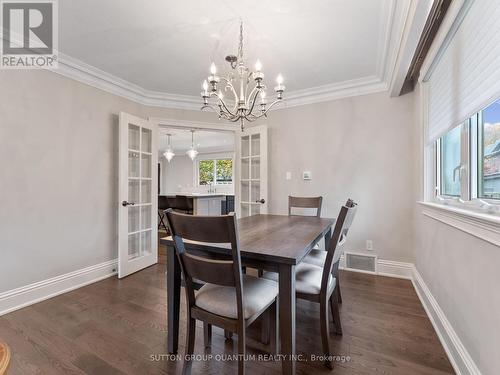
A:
[138,199]
[252,162]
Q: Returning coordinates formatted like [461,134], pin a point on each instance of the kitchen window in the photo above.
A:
[215,172]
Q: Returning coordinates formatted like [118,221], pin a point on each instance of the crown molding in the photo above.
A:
[324,93]
[92,76]
[391,39]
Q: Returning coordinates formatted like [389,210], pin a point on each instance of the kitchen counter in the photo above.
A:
[207,204]
[196,195]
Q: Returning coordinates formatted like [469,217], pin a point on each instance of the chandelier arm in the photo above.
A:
[229,84]
[255,117]
[223,103]
[209,106]
[256,92]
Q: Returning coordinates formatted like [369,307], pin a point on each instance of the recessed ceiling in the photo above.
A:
[205,141]
[168,46]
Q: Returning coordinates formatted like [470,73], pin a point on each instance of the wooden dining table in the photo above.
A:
[275,243]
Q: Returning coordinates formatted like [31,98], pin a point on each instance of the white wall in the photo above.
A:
[177,175]
[360,148]
[58,179]
[462,273]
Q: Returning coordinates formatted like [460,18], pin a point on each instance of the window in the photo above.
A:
[215,172]
[468,158]
[451,162]
[206,172]
[489,152]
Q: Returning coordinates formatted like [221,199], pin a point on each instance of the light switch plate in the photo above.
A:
[306,175]
[288,175]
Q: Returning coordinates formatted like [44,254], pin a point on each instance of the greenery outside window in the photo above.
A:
[215,172]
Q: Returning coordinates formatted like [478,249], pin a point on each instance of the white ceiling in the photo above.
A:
[167,46]
[205,141]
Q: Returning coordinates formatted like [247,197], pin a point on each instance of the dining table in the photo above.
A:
[276,243]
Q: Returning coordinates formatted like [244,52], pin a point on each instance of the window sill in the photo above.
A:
[483,226]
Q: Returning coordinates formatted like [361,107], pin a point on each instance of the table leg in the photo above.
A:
[287,317]
[173,299]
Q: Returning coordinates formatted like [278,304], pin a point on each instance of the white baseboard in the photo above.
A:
[27,295]
[457,353]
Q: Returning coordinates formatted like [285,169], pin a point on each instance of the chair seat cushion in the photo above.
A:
[258,293]
[307,278]
[316,257]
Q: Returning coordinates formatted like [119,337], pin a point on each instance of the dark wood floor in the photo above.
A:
[119,327]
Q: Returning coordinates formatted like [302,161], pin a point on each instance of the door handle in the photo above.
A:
[125,203]
[261,201]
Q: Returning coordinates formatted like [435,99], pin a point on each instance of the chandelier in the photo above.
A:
[169,154]
[245,88]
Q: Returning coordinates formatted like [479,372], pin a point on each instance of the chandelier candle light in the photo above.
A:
[249,85]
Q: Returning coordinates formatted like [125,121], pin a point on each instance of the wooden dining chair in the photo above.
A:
[229,299]
[304,203]
[318,284]
[4,358]
[311,203]
[162,206]
[318,257]
[184,204]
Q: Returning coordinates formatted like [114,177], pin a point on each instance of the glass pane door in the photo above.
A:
[139,191]
[253,182]
[138,184]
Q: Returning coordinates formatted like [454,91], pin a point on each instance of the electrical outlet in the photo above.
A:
[306,175]
[369,245]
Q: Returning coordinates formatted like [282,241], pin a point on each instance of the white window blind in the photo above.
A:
[467,77]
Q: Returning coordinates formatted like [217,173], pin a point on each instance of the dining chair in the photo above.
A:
[184,204]
[304,203]
[229,299]
[4,358]
[318,284]
[318,257]
[162,206]
[311,203]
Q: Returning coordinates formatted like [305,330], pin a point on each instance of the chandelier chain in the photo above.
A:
[240,47]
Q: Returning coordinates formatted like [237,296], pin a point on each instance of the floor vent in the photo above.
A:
[360,262]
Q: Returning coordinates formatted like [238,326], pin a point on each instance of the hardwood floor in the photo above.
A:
[119,327]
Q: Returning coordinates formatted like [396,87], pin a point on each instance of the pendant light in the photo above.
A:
[169,154]
[192,153]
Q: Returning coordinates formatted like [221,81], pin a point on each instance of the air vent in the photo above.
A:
[360,262]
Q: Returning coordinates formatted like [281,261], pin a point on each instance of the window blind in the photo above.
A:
[467,77]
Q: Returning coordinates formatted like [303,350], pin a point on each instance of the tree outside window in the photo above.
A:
[215,172]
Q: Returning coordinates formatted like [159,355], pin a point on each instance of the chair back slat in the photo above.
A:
[213,229]
[304,202]
[338,240]
[212,271]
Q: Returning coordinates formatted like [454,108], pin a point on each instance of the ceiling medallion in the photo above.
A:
[241,80]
